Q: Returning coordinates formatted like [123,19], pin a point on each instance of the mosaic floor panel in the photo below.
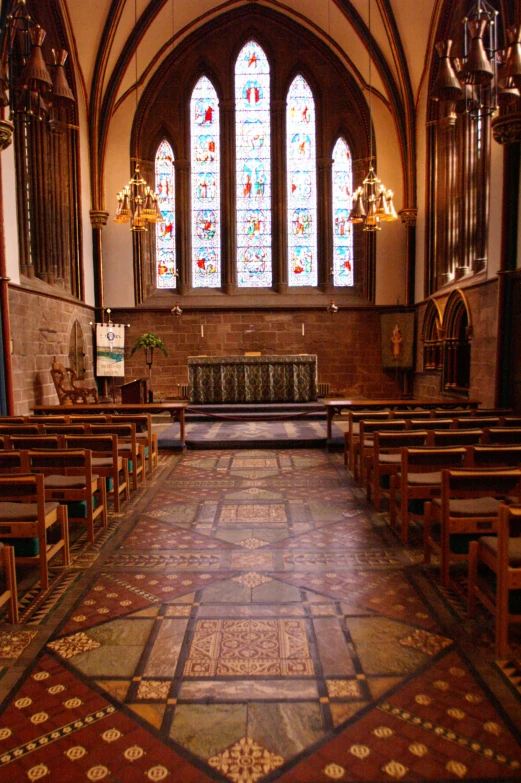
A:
[248,618]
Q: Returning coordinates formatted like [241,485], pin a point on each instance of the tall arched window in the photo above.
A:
[302,184]
[342,201]
[205,160]
[253,162]
[165,232]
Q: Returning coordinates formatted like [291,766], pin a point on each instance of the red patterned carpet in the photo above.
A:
[249,618]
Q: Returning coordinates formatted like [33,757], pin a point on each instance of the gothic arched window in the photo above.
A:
[342,202]
[206,207]
[302,184]
[165,232]
[253,167]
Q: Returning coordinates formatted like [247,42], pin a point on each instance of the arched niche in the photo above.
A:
[457,350]
[77,350]
[432,337]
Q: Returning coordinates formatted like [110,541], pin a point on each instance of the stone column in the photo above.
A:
[506,130]
[408,216]
[325,224]
[98,221]
[183,244]
[279,197]
[228,212]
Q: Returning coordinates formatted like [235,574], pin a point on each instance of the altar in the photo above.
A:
[234,379]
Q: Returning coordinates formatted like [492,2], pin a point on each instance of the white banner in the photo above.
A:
[110,350]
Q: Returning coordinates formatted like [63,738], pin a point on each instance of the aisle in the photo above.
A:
[251,620]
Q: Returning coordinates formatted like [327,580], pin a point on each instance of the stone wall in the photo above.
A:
[41,325]
[347,344]
[483,302]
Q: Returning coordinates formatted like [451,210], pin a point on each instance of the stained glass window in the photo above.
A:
[165,232]
[302,184]
[342,202]
[253,162]
[206,202]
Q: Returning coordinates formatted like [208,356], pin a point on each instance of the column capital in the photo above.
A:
[506,128]
[98,218]
[408,216]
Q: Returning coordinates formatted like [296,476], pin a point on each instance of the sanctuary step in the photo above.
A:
[310,411]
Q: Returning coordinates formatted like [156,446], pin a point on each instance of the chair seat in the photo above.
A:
[66,482]
[124,446]
[423,479]
[23,512]
[390,459]
[102,462]
[472,507]
[514,548]
[355,429]
[368,442]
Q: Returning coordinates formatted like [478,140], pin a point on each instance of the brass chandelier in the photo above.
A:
[137,201]
[26,86]
[486,77]
[138,204]
[372,201]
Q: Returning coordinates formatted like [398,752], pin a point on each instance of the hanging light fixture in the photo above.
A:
[485,77]
[26,86]
[137,201]
[372,201]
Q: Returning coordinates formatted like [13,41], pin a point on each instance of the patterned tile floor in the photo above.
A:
[249,618]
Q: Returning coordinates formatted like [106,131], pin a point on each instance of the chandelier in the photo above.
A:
[485,77]
[372,201]
[26,86]
[138,204]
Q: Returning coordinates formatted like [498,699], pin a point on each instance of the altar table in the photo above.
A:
[252,378]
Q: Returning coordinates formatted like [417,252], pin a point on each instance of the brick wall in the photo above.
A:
[482,302]
[347,344]
[40,330]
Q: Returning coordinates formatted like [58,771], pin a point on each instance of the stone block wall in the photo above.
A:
[482,301]
[347,344]
[41,325]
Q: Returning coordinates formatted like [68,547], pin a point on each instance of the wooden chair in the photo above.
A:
[12,420]
[502,435]
[9,594]
[144,434]
[430,424]
[353,430]
[419,480]
[63,429]
[386,459]
[67,388]
[496,456]
[106,461]
[479,422]
[128,446]
[511,421]
[495,575]
[26,442]
[68,479]
[25,518]
[467,508]
[19,429]
[455,437]
[88,418]
[50,419]
[363,446]
[421,413]
[11,461]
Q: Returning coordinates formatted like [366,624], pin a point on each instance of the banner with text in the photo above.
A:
[110,350]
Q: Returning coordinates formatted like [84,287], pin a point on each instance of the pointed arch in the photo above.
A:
[206,197]
[166,231]
[432,335]
[458,332]
[343,271]
[253,167]
[302,184]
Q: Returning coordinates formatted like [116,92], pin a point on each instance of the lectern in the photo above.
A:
[134,391]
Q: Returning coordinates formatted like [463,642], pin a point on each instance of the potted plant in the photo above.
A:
[149,342]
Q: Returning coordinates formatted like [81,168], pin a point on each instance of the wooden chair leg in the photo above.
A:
[427,532]
[63,517]
[472,578]
[42,544]
[10,578]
